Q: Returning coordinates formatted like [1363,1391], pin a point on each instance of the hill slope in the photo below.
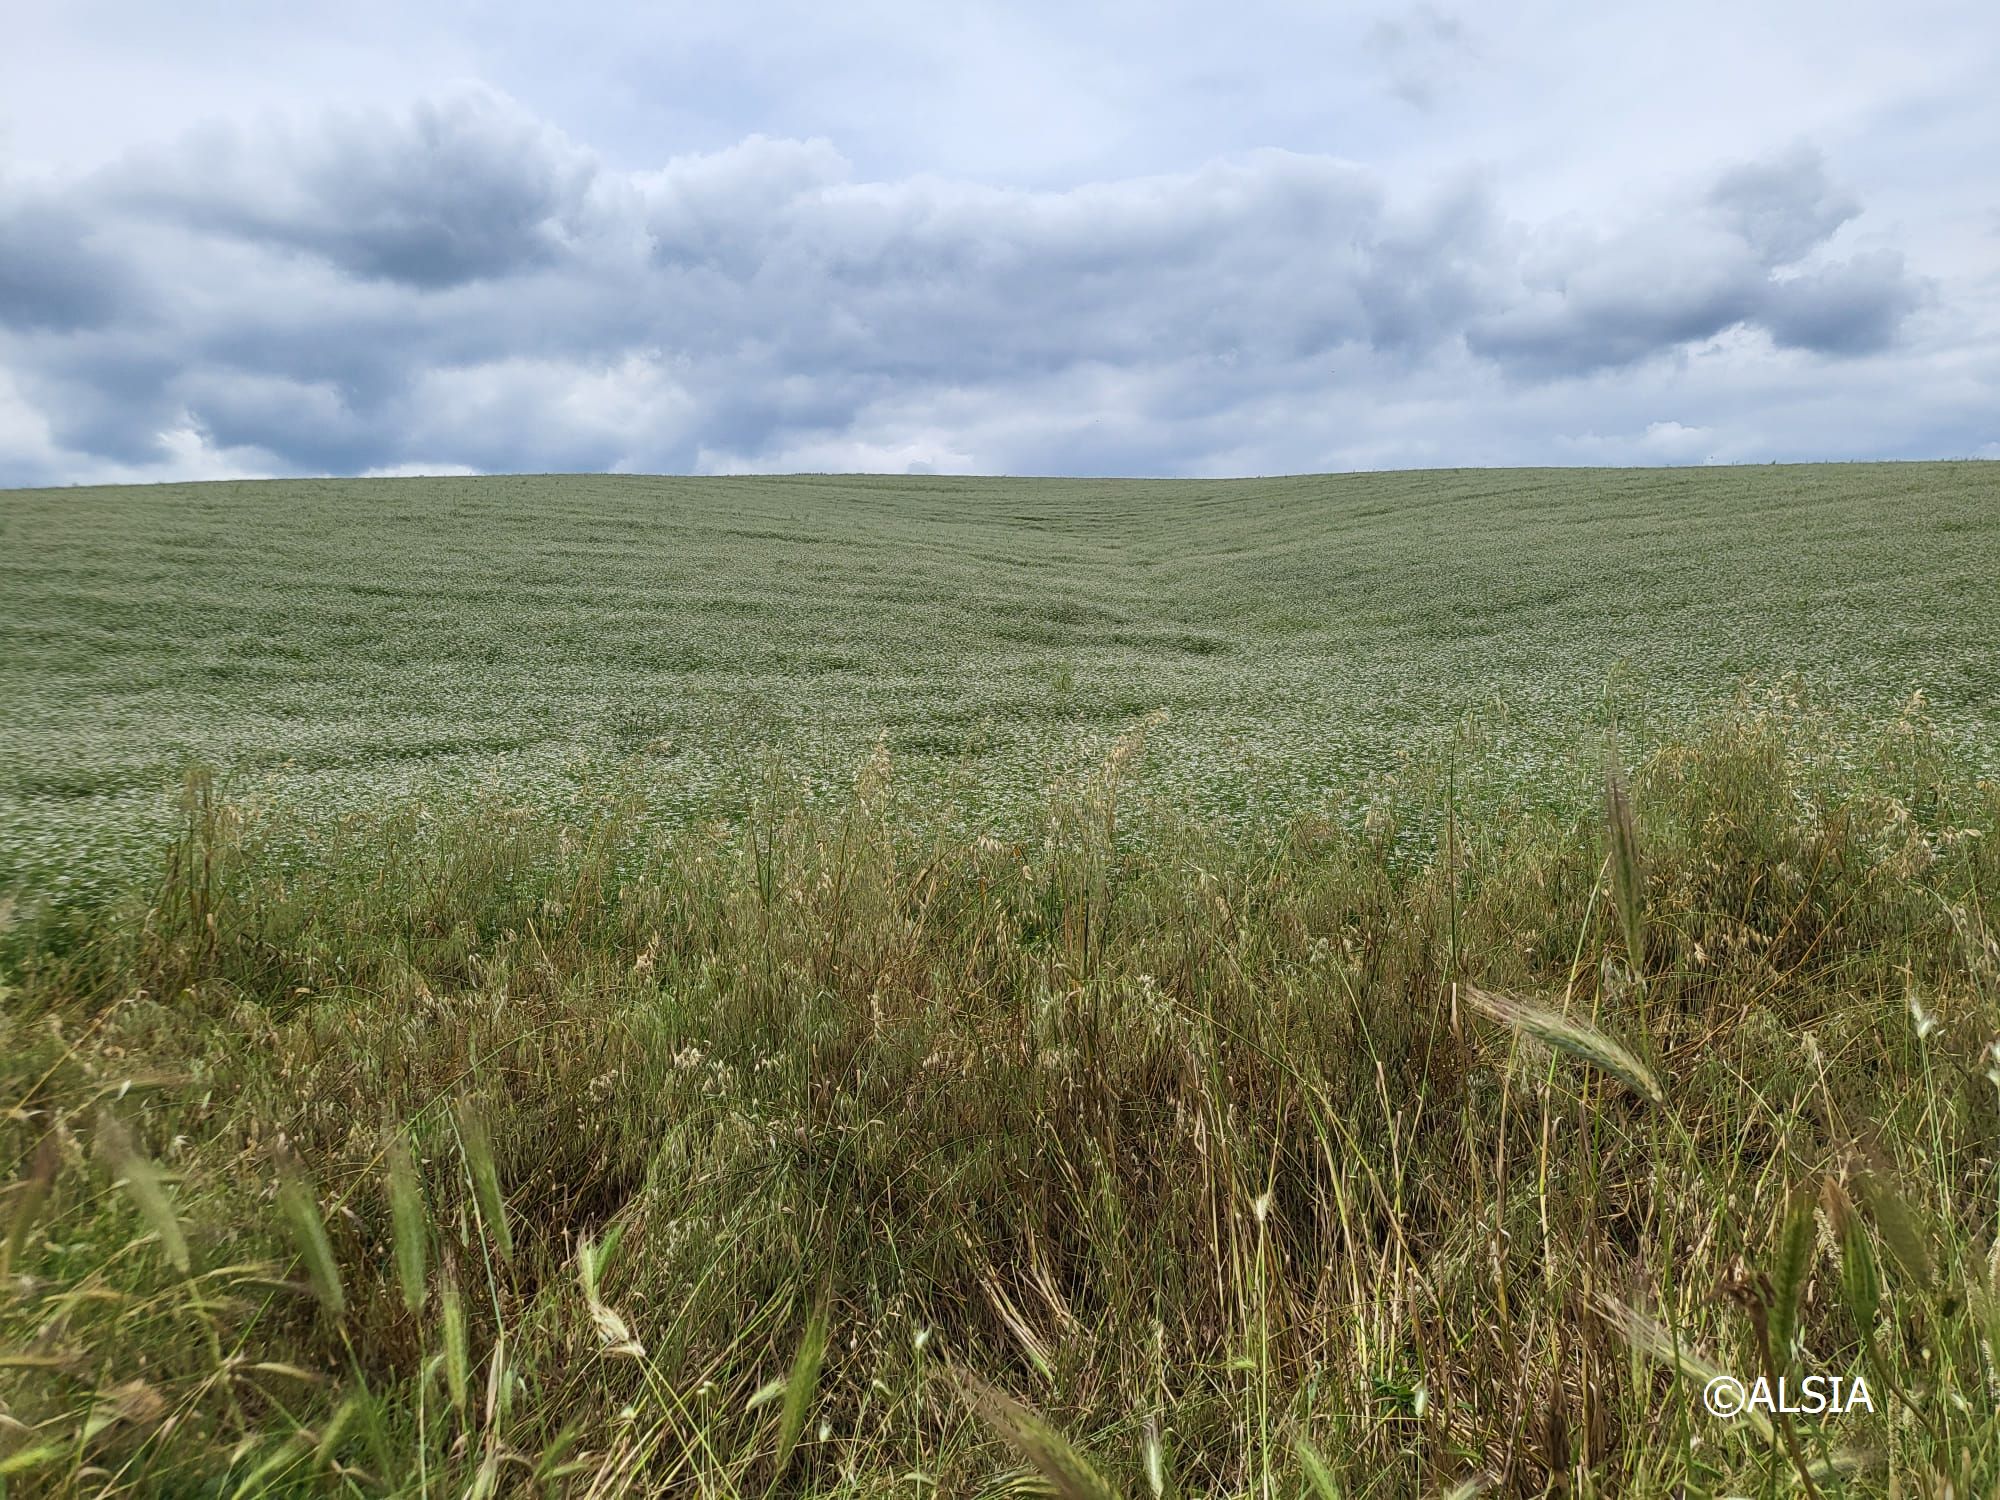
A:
[355,635]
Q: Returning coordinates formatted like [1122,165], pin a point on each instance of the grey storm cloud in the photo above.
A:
[1852,307]
[462,284]
[454,191]
[1692,272]
[1781,209]
[53,273]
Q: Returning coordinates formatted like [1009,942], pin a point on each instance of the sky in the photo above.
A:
[453,236]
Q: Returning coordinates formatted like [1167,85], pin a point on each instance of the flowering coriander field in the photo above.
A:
[327,644]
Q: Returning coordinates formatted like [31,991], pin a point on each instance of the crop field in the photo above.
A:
[332,642]
[1357,987]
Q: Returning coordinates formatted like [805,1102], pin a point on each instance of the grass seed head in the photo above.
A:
[299,1205]
[1067,1472]
[408,1221]
[1627,880]
[146,1185]
[477,1148]
[28,1200]
[1573,1037]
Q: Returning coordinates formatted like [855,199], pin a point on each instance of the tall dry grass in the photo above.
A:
[473,1152]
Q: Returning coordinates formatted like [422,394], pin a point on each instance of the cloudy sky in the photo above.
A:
[1134,238]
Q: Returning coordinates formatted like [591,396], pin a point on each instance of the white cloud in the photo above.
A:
[1677,443]
[189,453]
[418,469]
[28,446]
[30,452]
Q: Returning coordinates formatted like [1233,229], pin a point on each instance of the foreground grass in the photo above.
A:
[831,1153]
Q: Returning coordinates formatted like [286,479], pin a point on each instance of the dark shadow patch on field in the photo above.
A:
[431,748]
[1076,612]
[961,730]
[1182,642]
[1120,707]
[823,663]
[1057,622]
[733,605]
[658,656]
[810,538]
[248,672]
[947,741]
[80,783]
[395,591]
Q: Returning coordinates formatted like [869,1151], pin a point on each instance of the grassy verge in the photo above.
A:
[830,1153]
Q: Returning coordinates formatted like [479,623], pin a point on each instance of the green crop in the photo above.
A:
[330,643]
